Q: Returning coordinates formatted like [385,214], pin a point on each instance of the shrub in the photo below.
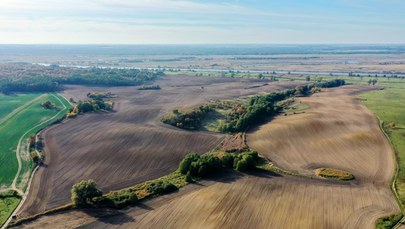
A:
[184,166]
[49,105]
[84,192]
[161,187]
[388,221]
[122,198]
[228,160]
[189,178]
[205,165]
[242,165]
[103,201]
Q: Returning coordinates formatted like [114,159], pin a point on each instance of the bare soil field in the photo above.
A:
[129,145]
[259,200]
[337,131]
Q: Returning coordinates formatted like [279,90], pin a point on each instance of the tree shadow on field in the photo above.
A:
[144,206]
[263,173]
[227,176]
[109,216]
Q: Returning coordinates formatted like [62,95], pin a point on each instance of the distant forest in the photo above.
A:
[36,78]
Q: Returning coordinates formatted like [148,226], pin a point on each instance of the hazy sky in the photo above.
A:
[194,21]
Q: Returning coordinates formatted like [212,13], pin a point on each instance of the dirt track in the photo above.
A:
[130,145]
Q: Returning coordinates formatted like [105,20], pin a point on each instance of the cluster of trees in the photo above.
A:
[49,105]
[96,103]
[86,193]
[34,147]
[263,106]
[372,81]
[194,165]
[99,96]
[118,199]
[35,78]
[190,120]
[150,87]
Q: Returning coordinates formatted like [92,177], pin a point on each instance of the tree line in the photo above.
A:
[261,107]
[33,78]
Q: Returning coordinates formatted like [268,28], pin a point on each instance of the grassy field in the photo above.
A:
[388,105]
[22,116]
[10,103]
[7,205]
[21,125]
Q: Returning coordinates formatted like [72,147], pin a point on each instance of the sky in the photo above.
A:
[201,22]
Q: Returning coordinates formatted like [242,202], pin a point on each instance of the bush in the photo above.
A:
[184,166]
[205,166]
[189,120]
[228,160]
[242,165]
[103,201]
[9,193]
[161,187]
[189,178]
[84,192]
[388,221]
[49,105]
[118,199]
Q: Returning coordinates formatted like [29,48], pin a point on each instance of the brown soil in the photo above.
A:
[336,132]
[260,200]
[234,143]
[129,145]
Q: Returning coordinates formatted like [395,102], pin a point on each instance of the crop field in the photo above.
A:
[130,145]
[9,103]
[259,200]
[18,127]
[331,130]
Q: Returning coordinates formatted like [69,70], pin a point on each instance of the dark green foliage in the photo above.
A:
[118,199]
[205,165]
[184,166]
[263,106]
[84,192]
[190,120]
[35,78]
[49,105]
[228,160]
[85,107]
[247,161]
[95,104]
[161,187]
[389,221]
[103,201]
[189,178]
[99,96]
[242,166]
[331,83]
[9,193]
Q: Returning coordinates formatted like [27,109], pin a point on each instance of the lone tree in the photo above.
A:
[84,191]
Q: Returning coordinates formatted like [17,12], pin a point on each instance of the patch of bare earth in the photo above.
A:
[234,143]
